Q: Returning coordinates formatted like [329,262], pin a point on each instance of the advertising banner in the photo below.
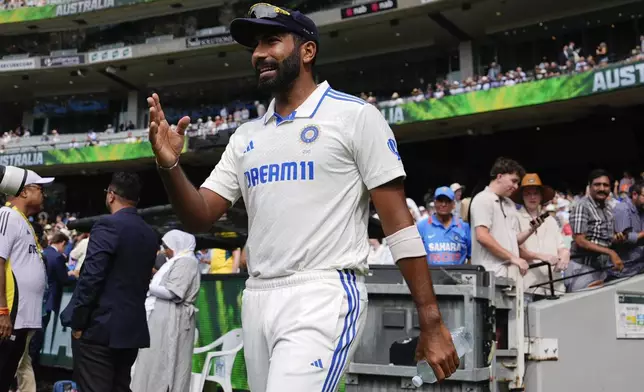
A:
[219,311]
[368,8]
[109,55]
[56,8]
[612,78]
[95,154]
[209,40]
[62,61]
[78,7]
[17,65]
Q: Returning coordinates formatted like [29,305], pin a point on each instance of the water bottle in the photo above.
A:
[425,374]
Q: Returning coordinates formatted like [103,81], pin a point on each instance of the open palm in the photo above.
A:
[167,143]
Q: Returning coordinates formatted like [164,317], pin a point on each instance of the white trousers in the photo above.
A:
[301,331]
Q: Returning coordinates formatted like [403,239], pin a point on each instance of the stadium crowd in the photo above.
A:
[588,238]
[569,61]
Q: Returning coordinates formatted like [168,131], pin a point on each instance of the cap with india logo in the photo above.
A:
[264,17]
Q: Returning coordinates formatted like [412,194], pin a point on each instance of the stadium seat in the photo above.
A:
[221,361]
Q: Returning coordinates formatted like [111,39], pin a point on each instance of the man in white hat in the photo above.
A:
[458,195]
[22,274]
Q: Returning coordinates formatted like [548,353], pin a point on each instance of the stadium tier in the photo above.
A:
[434,69]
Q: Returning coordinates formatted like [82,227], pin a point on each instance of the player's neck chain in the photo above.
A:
[31,229]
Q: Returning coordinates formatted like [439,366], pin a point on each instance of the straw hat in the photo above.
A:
[532,179]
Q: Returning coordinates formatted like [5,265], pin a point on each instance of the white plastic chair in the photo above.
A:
[231,343]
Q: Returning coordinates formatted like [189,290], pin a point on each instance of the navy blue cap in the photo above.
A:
[246,30]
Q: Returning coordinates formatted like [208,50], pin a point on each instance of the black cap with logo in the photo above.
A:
[264,17]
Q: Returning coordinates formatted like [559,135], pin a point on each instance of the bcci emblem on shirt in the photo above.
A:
[310,134]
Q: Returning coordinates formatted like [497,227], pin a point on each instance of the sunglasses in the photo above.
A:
[265,10]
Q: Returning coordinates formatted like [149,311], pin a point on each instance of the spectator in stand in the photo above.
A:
[74,143]
[494,71]
[593,234]
[446,237]
[379,253]
[130,139]
[91,136]
[602,52]
[563,55]
[496,238]
[260,108]
[130,126]
[60,225]
[109,129]
[572,54]
[210,125]
[629,218]
[546,242]
[458,194]
[624,185]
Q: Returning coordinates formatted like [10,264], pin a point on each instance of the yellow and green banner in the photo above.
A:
[95,154]
[25,14]
[623,75]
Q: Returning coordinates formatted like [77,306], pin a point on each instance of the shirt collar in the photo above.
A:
[436,222]
[596,203]
[307,109]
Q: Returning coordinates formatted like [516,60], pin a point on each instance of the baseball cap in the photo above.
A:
[265,17]
[444,191]
[456,186]
[35,179]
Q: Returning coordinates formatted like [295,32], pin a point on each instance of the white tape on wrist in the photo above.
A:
[406,243]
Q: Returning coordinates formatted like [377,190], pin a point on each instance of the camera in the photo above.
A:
[12,180]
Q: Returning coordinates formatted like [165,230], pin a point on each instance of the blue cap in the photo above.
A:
[444,191]
[246,30]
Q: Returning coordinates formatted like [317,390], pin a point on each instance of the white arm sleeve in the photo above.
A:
[9,228]
[375,149]
[223,180]
[161,292]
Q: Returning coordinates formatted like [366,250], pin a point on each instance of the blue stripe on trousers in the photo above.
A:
[351,278]
[348,332]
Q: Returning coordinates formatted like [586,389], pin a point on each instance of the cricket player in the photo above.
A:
[306,170]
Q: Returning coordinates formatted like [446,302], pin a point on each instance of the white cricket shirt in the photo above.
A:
[305,180]
[18,247]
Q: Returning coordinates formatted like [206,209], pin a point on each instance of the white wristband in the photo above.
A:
[406,243]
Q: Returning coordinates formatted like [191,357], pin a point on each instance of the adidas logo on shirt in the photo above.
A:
[250,146]
[317,364]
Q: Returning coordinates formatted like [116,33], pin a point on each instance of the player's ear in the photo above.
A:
[308,51]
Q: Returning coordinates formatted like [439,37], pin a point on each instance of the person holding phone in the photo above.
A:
[546,241]
[496,237]
[628,216]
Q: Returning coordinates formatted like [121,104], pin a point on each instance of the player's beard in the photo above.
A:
[285,75]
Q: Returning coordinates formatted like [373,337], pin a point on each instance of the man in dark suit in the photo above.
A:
[57,278]
[107,312]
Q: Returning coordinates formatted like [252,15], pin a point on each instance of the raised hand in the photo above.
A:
[167,143]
